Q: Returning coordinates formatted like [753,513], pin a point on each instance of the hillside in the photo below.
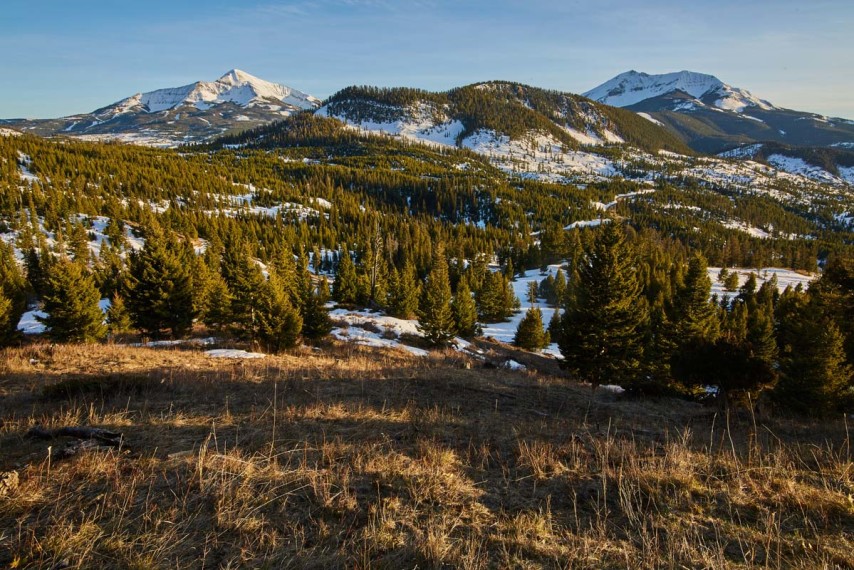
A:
[363,458]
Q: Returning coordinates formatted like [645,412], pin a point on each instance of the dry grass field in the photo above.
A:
[359,458]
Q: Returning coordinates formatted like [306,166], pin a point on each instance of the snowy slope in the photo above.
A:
[633,87]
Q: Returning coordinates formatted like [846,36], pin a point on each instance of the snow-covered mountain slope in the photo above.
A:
[633,87]
[192,113]
[712,116]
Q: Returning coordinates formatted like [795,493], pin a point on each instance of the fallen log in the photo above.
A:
[103,436]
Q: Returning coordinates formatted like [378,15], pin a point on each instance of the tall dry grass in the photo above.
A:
[355,458]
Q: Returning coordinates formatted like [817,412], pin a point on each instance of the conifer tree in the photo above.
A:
[695,318]
[5,319]
[435,319]
[465,311]
[279,322]
[815,374]
[403,292]
[71,303]
[118,317]
[555,329]
[159,289]
[345,287]
[530,334]
[495,300]
[602,339]
[245,283]
[13,287]
[218,313]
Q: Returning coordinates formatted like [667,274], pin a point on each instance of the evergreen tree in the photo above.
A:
[530,334]
[5,319]
[695,318]
[71,303]
[159,289]
[555,328]
[279,322]
[316,323]
[218,313]
[815,376]
[602,338]
[118,317]
[245,282]
[13,288]
[345,287]
[731,282]
[403,293]
[435,319]
[495,300]
[465,311]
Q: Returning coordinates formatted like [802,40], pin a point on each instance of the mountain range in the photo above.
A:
[192,113]
[712,116]
[681,112]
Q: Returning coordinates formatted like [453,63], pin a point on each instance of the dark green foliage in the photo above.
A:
[217,308]
[816,378]
[245,283]
[602,338]
[278,322]
[71,303]
[6,318]
[159,287]
[13,288]
[435,318]
[118,317]
[316,323]
[495,299]
[403,292]
[530,334]
[694,317]
[465,312]
[345,287]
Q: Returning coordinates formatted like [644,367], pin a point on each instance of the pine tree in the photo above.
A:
[71,304]
[815,376]
[495,300]
[695,318]
[530,334]
[316,323]
[345,287]
[465,311]
[555,329]
[279,322]
[245,282]
[13,288]
[731,282]
[218,311]
[5,319]
[435,319]
[602,340]
[118,317]
[403,293]
[159,289]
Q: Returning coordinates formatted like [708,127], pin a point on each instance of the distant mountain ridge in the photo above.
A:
[632,87]
[191,113]
[712,116]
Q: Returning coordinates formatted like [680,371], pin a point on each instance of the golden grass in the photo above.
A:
[358,458]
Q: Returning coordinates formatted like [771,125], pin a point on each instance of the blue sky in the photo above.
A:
[62,57]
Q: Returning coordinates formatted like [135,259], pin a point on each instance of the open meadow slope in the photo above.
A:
[365,458]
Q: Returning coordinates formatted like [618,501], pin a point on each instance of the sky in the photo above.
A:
[62,57]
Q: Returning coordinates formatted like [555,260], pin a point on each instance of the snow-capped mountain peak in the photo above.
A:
[236,87]
[632,87]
